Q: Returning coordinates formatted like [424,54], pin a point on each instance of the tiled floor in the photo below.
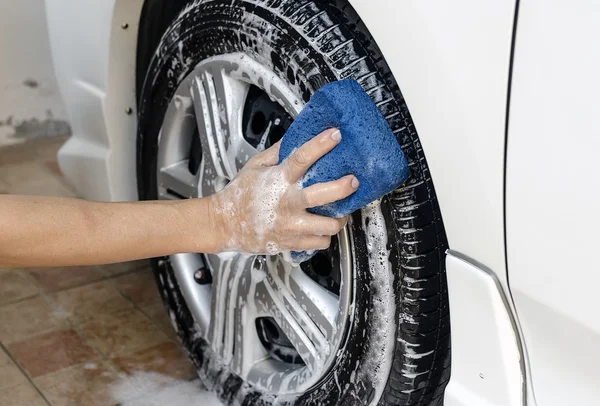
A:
[69,336]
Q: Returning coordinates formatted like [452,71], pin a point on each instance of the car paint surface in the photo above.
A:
[552,198]
[451,61]
[94,59]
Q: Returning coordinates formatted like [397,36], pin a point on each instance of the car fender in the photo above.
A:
[93,45]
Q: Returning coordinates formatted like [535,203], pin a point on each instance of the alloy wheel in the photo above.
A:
[276,325]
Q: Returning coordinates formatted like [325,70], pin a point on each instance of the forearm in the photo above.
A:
[47,231]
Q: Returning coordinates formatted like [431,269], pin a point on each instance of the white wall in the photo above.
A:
[30,104]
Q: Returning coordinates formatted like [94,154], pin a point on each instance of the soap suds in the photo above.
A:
[154,389]
[272,248]
[257,226]
[269,189]
[380,355]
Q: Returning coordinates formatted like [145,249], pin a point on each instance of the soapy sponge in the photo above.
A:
[368,149]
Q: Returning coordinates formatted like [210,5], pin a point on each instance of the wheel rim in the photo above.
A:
[308,319]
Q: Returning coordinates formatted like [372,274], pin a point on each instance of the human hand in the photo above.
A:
[263,210]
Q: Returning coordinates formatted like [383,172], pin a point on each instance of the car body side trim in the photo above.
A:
[488,359]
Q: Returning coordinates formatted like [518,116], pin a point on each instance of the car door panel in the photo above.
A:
[552,198]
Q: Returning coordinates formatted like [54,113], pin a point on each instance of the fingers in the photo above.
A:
[312,224]
[269,157]
[329,192]
[311,243]
[309,153]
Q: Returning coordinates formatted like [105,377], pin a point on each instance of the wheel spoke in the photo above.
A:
[218,102]
[319,304]
[184,265]
[244,153]
[230,96]
[303,310]
[220,334]
[177,182]
[232,332]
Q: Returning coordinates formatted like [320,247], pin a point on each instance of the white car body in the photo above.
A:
[518,189]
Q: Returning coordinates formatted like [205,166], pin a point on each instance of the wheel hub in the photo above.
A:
[264,121]
[276,325]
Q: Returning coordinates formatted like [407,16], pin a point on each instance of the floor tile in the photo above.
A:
[10,374]
[158,314]
[166,358]
[28,318]
[3,188]
[33,179]
[17,154]
[123,333]
[82,385]
[51,279]
[91,301]
[139,287]
[47,148]
[153,389]
[117,269]
[21,395]
[51,352]
[15,284]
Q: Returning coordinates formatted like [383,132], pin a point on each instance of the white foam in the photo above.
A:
[272,248]
[255,232]
[380,353]
[154,389]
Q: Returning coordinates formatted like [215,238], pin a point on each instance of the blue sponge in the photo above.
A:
[369,149]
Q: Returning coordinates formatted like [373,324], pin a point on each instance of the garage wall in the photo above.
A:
[30,103]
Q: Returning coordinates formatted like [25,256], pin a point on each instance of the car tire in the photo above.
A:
[398,350]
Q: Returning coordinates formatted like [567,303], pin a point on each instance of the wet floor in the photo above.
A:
[93,336]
